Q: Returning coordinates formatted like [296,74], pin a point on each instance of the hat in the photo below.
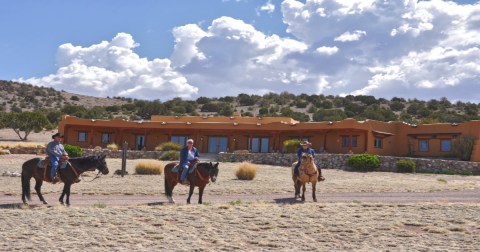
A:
[190,141]
[306,143]
[57,135]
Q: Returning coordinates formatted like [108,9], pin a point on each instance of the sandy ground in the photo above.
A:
[241,215]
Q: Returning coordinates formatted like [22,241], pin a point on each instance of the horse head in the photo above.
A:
[213,171]
[102,164]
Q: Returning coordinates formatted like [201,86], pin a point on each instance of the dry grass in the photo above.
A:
[246,171]
[149,167]
[21,145]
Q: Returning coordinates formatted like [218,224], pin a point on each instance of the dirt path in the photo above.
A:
[464,196]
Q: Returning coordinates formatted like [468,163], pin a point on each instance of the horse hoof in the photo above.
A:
[45,203]
[171,200]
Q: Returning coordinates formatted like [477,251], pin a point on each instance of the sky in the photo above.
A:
[150,49]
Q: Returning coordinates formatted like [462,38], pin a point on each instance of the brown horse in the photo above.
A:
[201,176]
[308,174]
[68,175]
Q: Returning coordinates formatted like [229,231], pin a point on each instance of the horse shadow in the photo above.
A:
[291,200]
[14,206]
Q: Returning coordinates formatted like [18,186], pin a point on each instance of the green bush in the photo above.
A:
[73,151]
[170,155]
[168,146]
[364,162]
[405,165]
[292,145]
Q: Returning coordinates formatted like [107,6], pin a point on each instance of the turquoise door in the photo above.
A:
[217,144]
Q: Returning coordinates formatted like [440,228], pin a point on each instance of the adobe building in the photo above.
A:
[256,134]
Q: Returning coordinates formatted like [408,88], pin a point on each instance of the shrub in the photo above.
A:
[462,147]
[246,171]
[112,146]
[405,165]
[168,146]
[72,150]
[364,162]
[149,167]
[170,155]
[291,146]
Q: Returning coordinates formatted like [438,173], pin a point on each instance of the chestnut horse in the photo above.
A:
[68,175]
[201,176]
[308,174]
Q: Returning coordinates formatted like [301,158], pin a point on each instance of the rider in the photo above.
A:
[306,148]
[187,155]
[55,151]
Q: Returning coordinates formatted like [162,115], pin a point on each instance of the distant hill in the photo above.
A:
[28,97]
[18,97]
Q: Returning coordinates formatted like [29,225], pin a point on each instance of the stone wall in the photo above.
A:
[339,161]
[323,160]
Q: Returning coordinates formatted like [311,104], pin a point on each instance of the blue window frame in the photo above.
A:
[82,136]
[423,145]
[446,145]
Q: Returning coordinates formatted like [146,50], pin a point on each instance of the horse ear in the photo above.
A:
[103,156]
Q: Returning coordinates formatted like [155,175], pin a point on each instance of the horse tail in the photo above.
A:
[26,170]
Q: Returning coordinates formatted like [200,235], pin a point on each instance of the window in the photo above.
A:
[106,138]
[378,143]
[423,145]
[354,141]
[182,140]
[259,144]
[82,136]
[345,141]
[445,145]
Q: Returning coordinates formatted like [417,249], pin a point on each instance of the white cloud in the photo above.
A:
[426,49]
[268,7]
[347,36]
[327,50]
[114,69]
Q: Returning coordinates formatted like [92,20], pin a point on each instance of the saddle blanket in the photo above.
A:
[177,167]
[62,165]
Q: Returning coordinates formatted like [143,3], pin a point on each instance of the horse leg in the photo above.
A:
[67,187]
[314,185]
[304,187]
[190,192]
[169,189]
[25,188]
[297,185]
[64,192]
[200,194]
[38,189]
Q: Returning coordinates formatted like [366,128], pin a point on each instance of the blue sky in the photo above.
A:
[187,48]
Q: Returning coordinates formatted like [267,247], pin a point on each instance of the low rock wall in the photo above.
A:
[323,160]
[339,161]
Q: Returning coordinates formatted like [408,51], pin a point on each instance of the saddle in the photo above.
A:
[178,169]
[45,165]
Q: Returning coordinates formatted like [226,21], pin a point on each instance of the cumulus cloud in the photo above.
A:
[112,68]
[421,49]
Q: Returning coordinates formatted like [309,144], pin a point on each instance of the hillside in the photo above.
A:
[28,98]
[19,97]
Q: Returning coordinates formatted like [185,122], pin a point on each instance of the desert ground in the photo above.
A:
[375,211]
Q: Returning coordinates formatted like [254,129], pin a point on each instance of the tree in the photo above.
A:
[328,115]
[26,122]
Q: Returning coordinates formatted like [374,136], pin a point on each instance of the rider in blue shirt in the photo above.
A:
[55,152]
[187,155]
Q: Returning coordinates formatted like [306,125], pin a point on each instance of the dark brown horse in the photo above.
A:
[200,177]
[68,175]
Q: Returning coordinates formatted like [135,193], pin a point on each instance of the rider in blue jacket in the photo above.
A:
[187,155]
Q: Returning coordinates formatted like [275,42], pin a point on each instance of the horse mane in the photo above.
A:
[309,167]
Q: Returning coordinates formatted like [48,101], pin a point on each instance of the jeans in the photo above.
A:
[184,172]
[295,170]
[54,160]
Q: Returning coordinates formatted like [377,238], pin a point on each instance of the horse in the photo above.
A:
[68,175]
[202,174]
[308,174]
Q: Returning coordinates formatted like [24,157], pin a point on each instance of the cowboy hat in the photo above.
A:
[57,135]
[306,143]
